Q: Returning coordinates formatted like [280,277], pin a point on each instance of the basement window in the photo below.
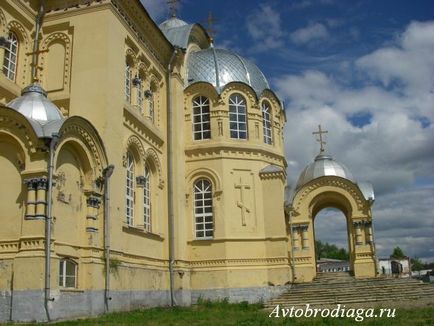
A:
[67,273]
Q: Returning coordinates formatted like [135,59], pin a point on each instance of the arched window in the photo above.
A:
[201,118]
[237,117]
[11,57]
[203,216]
[67,273]
[129,195]
[266,123]
[128,80]
[147,199]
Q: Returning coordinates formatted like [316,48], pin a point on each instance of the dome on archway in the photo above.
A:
[323,165]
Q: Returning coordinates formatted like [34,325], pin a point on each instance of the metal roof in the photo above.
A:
[220,67]
[34,104]
[323,165]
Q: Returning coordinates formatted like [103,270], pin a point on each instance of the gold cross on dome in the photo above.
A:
[320,132]
[210,29]
[173,4]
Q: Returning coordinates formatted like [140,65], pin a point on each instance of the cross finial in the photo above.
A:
[320,132]
[210,29]
[172,7]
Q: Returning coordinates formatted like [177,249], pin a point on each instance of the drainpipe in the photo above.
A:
[106,173]
[170,177]
[35,42]
[47,297]
[292,246]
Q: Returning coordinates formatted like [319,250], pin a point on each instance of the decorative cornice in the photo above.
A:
[143,127]
[325,181]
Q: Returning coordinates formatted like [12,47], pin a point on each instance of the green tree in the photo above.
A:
[397,253]
[416,264]
[327,250]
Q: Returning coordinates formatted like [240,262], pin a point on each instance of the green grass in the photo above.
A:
[242,314]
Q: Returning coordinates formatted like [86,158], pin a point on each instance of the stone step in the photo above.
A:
[344,289]
[384,296]
[365,288]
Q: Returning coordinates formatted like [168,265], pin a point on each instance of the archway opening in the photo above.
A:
[332,241]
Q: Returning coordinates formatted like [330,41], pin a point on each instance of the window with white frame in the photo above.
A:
[11,57]
[266,123]
[147,199]
[67,273]
[237,117]
[203,212]
[129,194]
[201,118]
[139,98]
[128,80]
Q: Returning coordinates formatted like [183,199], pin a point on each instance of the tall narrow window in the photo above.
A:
[11,56]
[201,118]
[237,117]
[151,109]
[204,226]
[139,95]
[67,273]
[129,195]
[147,200]
[266,123]
[127,83]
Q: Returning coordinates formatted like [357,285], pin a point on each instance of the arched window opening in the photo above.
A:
[237,117]
[67,273]
[128,81]
[147,199]
[201,118]
[266,123]
[203,211]
[129,195]
[11,57]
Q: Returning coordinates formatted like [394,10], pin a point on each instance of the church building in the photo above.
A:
[142,166]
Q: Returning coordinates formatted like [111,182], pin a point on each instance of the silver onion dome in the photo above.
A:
[34,104]
[322,166]
[177,31]
[220,67]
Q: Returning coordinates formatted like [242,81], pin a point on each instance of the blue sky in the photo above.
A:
[364,70]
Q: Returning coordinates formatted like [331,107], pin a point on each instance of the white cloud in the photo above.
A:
[312,32]
[264,26]
[393,151]
[410,62]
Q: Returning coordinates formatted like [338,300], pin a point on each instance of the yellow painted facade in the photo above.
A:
[84,49]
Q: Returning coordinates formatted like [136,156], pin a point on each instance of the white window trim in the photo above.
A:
[201,109]
[147,200]
[266,123]
[63,275]
[130,190]
[205,192]
[11,57]
[128,74]
[238,116]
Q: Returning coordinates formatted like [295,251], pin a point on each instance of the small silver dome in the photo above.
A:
[34,104]
[323,165]
[172,22]
[220,67]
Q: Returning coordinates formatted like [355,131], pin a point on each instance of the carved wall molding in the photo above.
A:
[310,187]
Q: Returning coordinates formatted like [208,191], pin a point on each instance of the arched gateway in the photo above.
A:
[327,184]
